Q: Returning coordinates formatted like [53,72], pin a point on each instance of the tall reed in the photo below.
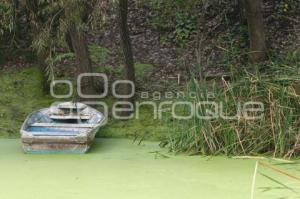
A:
[277,133]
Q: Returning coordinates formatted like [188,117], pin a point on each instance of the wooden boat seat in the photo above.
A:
[70,105]
[70,117]
[62,125]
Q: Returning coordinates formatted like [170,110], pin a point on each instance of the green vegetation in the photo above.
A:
[277,86]
[275,134]
[7,18]
[211,78]
[142,70]
[196,42]
[183,27]
[142,170]
[21,93]
[143,128]
[98,54]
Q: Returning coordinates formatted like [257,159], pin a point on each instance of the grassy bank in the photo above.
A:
[21,94]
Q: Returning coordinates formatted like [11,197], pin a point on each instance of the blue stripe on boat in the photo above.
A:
[52,131]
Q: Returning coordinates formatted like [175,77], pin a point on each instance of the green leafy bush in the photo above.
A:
[185,27]
[288,6]
[98,54]
[7,17]
[175,18]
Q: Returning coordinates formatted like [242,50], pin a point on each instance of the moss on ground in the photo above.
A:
[145,127]
[21,94]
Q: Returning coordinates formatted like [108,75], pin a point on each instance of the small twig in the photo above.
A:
[240,141]
[263,158]
[272,122]
[249,157]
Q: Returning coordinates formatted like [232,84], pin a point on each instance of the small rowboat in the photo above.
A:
[62,128]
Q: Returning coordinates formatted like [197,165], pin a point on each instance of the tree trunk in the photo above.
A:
[126,47]
[79,45]
[256,30]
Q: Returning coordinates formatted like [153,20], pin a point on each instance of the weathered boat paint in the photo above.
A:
[43,133]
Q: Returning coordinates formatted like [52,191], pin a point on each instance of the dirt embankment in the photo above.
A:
[223,32]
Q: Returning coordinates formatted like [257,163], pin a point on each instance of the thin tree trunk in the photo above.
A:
[256,30]
[126,47]
[41,57]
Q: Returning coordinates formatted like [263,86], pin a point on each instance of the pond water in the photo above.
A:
[118,168]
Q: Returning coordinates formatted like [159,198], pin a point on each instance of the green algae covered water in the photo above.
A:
[116,168]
